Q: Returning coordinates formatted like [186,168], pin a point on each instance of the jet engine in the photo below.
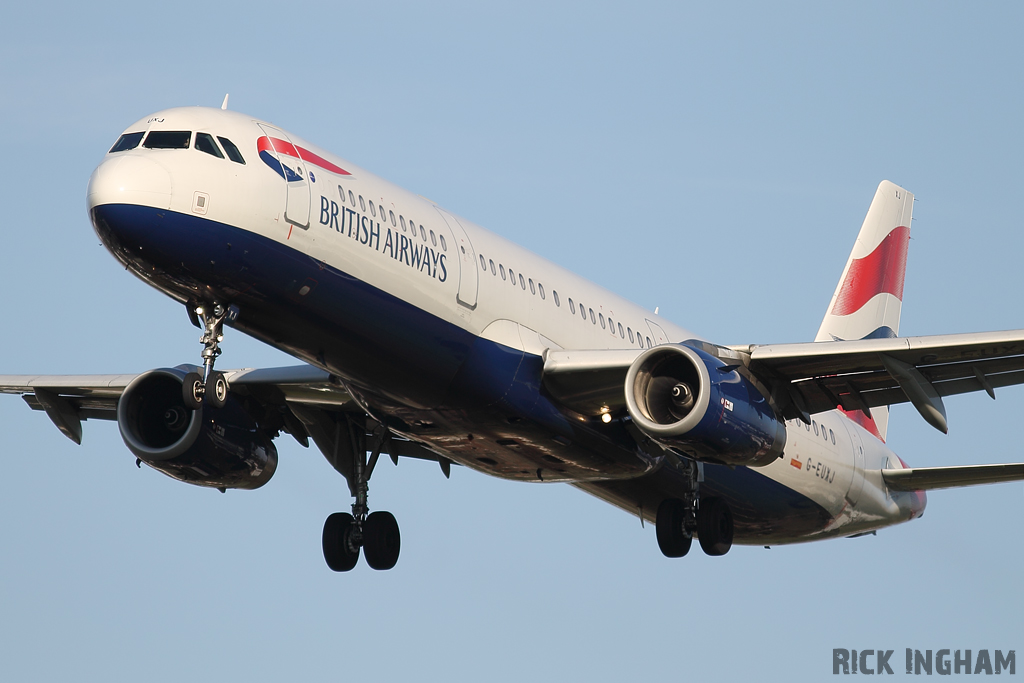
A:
[222,448]
[687,399]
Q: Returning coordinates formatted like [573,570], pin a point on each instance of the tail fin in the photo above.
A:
[869,296]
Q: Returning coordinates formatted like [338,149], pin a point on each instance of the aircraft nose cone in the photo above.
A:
[129,179]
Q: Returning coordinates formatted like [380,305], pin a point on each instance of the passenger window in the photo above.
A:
[572,306]
[372,212]
[492,267]
[532,289]
[423,234]
[126,142]
[554,293]
[611,325]
[629,331]
[593,319]
[814,423]
[234,154]
[540,288]
[444,245]
[502,269]
[351,198]
[402,219]
[341,193]
[601,318]
[392,215]
[205,143]
[512,277]
[362,204]
[621,333]
[833,435]
[433,238]
[648,342]
[522,282]
[168,139]
[483,262]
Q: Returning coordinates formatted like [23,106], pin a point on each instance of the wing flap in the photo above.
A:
[928,478]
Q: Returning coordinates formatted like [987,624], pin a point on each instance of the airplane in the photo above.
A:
[422,335]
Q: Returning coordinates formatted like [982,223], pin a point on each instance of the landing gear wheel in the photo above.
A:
[673,539]
[338,551]
[218,390]
[192,391]
[714,526]
[381,540]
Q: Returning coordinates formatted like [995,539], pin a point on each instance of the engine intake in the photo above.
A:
[687,399]
[221,448]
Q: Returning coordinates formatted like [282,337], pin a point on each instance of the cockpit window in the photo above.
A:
[232,151]
[126,142]
[167,139]
[205,143]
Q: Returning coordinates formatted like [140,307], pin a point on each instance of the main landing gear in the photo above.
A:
[210,386]
[375,532]
[678,519]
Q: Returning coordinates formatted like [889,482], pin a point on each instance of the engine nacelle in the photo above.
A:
[222,448]
[687,399]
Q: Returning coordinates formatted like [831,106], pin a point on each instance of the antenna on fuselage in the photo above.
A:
[224,104]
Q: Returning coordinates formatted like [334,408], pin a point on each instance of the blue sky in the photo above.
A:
[713,161]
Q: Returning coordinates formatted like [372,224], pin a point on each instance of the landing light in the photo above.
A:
[606,418]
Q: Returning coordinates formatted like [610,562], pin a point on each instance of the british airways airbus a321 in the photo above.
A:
[422,335]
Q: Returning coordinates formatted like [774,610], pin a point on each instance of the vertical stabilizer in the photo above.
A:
[869,296]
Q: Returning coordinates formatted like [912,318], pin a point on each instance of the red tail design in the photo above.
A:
[880,271]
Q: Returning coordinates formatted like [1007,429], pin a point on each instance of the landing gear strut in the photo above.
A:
[375,532]
[195,386]
[679,518]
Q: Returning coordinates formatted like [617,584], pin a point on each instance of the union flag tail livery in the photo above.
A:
[869,296]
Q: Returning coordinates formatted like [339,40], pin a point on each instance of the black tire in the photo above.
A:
[192,391]
[340,556]
[217,396]
[714,526]
[381,540]
[673,539]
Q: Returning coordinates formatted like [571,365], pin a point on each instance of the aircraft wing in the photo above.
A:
[301,400]
[859,375]
[95,396]
[815,377]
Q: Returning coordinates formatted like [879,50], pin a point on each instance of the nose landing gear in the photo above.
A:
[196,387]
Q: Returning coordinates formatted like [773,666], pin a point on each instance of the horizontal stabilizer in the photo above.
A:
[927,478]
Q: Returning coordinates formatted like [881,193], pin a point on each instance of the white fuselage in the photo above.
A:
[463,275]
